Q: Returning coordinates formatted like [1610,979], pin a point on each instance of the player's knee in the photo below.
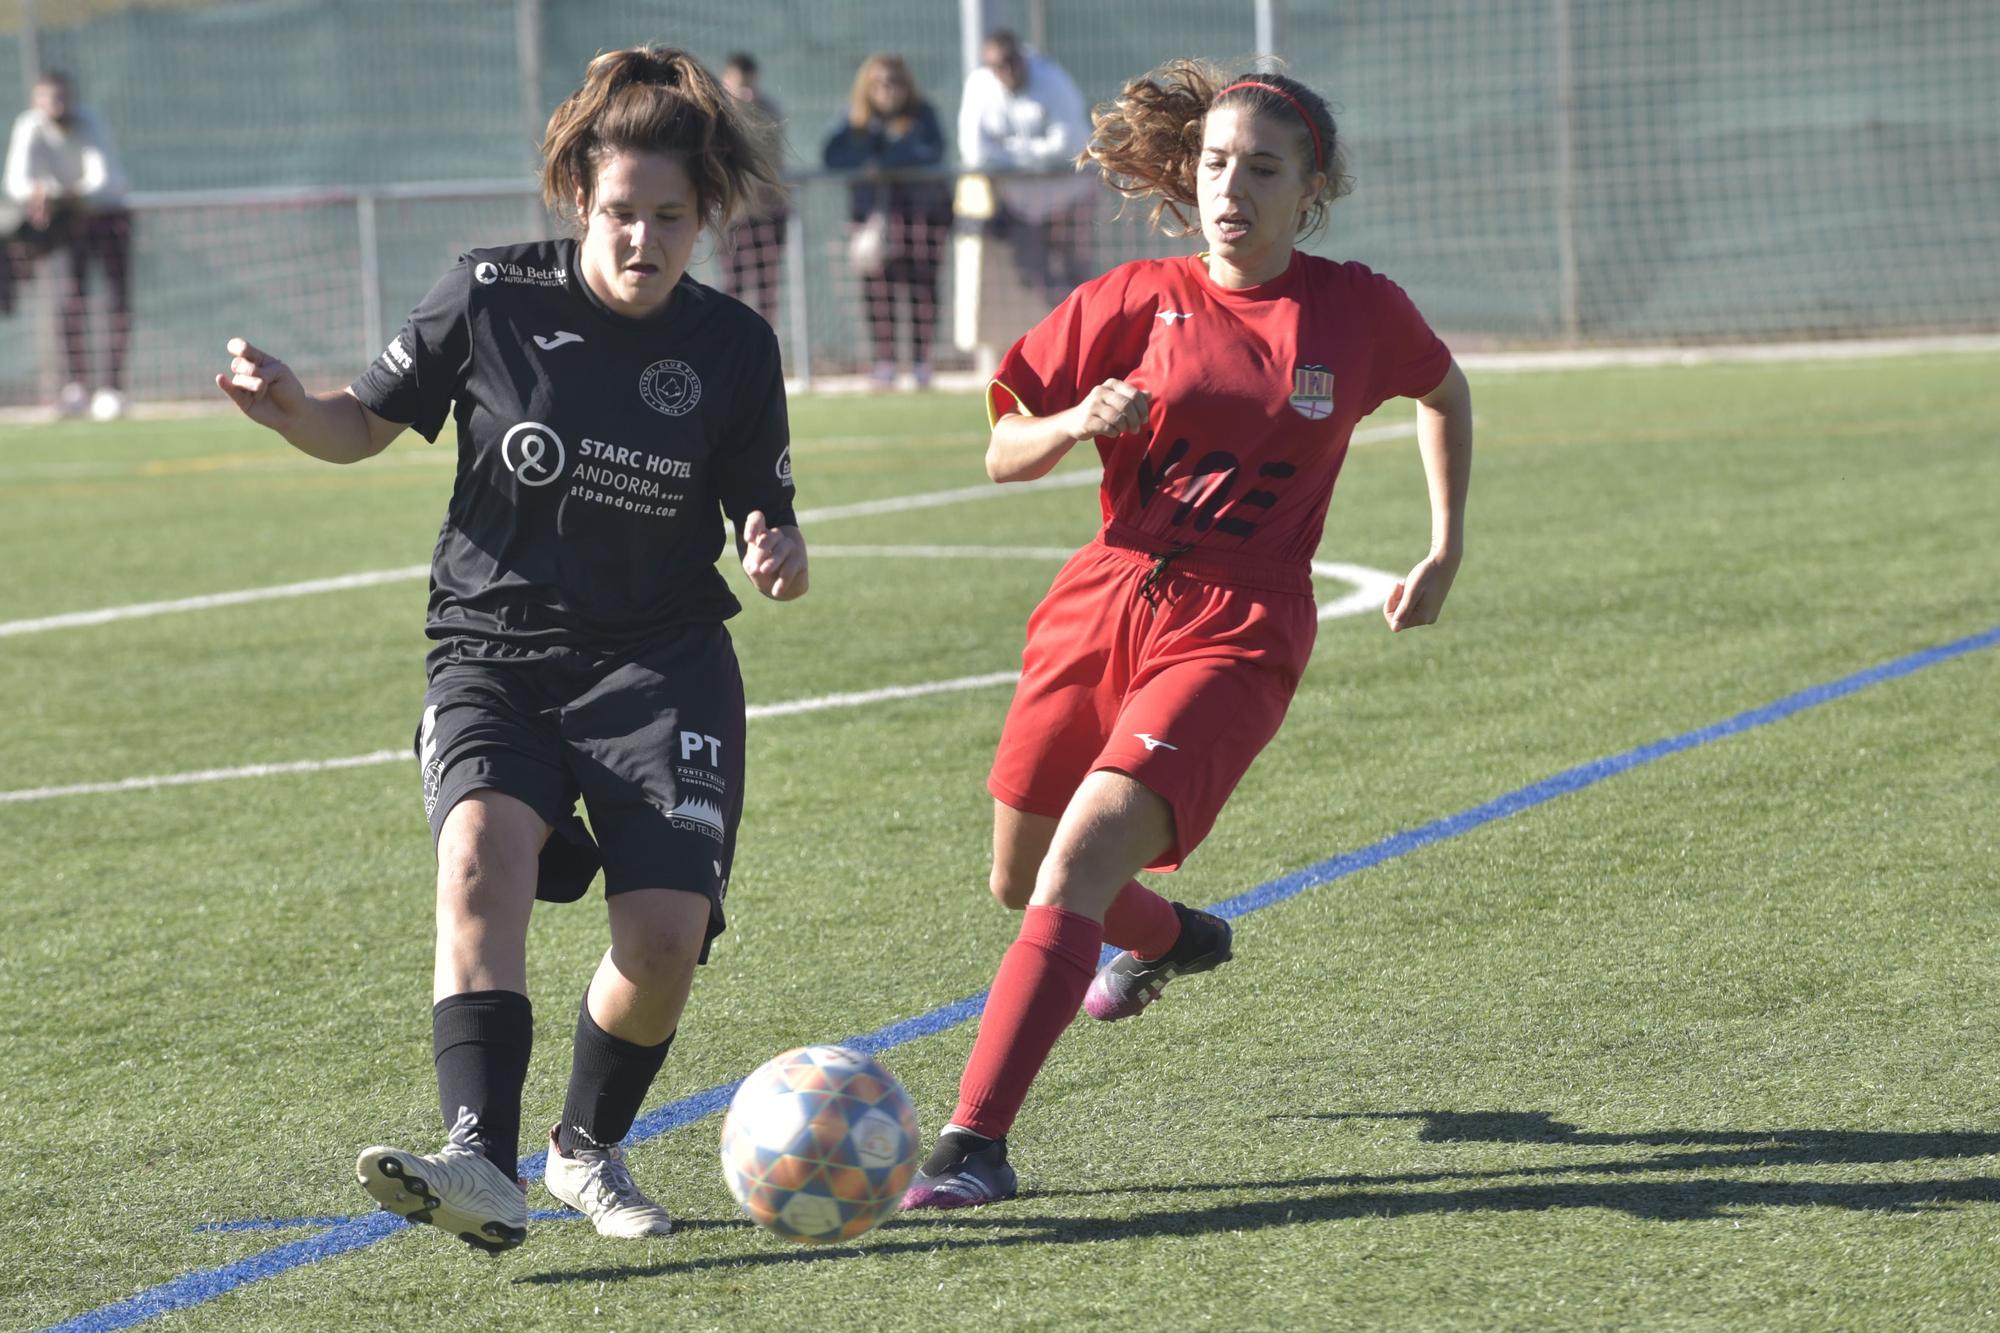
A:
[1011,890]
[462,874]
[658,957]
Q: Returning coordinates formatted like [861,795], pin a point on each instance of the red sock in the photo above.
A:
[1037,993]
[1142,921]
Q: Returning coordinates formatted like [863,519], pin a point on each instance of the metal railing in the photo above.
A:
[324,275]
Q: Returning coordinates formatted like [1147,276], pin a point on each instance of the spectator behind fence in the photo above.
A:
[896,227]
[1022,113]
[754,258]
[63,174]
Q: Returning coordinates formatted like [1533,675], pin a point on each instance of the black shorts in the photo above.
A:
[651,740]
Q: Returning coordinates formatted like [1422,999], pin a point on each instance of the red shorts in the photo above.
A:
[1180,696]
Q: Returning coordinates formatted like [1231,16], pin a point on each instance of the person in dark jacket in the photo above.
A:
[896,224]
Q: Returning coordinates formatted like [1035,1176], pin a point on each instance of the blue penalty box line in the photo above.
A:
[337,1236]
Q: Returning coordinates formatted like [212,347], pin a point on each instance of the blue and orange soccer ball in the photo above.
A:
[819,1144]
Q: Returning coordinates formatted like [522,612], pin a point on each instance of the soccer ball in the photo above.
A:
[819,1144]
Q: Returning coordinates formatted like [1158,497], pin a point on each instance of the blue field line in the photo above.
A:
[345,1234]
[1585,775]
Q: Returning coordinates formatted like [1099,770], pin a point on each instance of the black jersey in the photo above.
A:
[594,450]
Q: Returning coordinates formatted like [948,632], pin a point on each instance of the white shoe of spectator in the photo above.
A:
[73,401]
[107,405]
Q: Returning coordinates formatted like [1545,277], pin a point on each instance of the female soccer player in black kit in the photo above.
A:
[607,404]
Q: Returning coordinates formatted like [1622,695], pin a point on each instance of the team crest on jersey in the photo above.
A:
[1312,392]
[671,387]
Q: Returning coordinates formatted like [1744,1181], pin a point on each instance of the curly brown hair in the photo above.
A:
[1147,140]
[656,99]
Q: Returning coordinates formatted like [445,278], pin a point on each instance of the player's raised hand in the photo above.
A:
[1112,408]
[263,387]
[774,558]
[1418,599]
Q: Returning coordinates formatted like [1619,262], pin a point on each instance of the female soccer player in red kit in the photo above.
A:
[1221,390]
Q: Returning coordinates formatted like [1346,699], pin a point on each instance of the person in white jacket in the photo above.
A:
[63,173]
[1022,113]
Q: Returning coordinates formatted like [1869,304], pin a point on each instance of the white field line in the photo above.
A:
[889,505]
[951,552]
[140,610]
[413,456]
[788,708]
[813,443]
[894,504]
[432,456]
[900,504]
[204,775]
[263,460]
[1588,358]
[1370,588]
[858,698]
[1710,354]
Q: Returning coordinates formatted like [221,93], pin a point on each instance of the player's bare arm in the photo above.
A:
[333,427]
[774,558]
[1023,447]
[1444,438]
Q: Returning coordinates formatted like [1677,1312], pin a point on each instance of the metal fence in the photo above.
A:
[1535,172]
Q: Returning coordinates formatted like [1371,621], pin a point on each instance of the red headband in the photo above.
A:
[1319,157]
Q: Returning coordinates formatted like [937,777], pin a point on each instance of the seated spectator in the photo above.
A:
[896,227]
[1022,113]
[63,173]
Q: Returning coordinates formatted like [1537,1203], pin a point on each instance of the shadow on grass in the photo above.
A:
[1696,1149]
[1259,1204]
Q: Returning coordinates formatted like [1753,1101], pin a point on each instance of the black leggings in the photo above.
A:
[908,282]
[103,239]
[753,263]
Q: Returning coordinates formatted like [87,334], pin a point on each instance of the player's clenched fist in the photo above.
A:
[1112,408]
[774,558]
[262,387]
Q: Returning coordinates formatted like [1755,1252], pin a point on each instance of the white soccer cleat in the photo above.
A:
[454,1189]
[107,405]
[597,1184]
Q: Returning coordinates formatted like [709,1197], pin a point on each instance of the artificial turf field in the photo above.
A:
[1710,1041]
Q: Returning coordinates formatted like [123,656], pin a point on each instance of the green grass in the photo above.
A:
[1710,1044]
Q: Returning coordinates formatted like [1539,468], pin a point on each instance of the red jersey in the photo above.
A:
[1254,391]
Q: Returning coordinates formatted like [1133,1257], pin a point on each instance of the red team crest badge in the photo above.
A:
[1312,392]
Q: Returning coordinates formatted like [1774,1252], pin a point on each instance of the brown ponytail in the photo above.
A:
[1147,141]
[656,99]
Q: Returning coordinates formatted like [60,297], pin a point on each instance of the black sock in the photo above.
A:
[608,1081]
[480,1042]
[954,1145]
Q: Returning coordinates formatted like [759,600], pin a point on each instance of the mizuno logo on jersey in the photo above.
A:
[561,336]
[1170,316]
[1153,743]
